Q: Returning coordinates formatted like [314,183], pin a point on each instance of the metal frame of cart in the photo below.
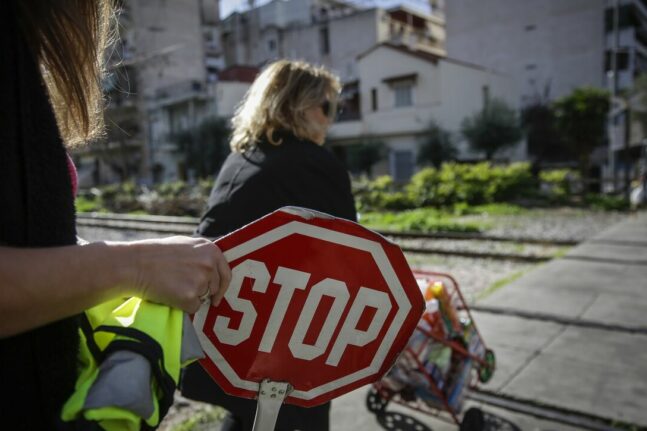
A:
[484,365]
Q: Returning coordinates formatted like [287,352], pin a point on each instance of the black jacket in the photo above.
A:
[249,186]
[267,177]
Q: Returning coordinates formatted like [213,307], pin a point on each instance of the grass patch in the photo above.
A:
[561,252]
[496,209]
[419,220]
[500,283]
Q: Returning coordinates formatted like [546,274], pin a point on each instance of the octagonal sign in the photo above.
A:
[316,301]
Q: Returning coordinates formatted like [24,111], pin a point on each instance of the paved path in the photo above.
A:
[571,333]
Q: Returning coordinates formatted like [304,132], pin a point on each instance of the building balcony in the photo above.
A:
[180,92]
[345,130]
[347,115]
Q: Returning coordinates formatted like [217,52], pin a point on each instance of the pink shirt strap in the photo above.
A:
[74,175]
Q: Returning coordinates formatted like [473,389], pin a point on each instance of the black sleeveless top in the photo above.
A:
[38,368]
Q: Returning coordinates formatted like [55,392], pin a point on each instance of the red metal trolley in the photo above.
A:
[445,356]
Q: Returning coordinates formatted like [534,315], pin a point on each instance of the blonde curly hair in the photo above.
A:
[278,99]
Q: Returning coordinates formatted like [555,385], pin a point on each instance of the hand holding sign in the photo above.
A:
[321,303]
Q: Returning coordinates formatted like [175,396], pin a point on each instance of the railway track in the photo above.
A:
[410,242]
[550,413]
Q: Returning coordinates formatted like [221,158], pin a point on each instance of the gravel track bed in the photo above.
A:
[561,223]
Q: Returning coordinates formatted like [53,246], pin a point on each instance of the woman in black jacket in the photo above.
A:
[277,159]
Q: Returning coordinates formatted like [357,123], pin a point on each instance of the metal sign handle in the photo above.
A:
[270,399]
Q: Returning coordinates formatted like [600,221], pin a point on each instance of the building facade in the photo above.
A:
[327,32]
[162,81]
[554,43]
[401,90]
[551,47]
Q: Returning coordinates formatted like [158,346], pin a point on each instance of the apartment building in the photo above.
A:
[553,46]
[402,90]
[162,80]
[555,43]
[327,32]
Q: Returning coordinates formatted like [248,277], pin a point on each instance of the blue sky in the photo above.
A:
[228,6]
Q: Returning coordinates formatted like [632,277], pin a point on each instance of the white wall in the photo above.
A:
[446,91]
[350,36]
[168,43]
[227,95]
[284,12]
[536,42]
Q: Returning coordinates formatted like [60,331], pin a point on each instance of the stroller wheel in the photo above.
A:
[487,370]
[473,420]
[375,403]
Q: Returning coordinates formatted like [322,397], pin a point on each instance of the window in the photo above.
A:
[374,99]
[530,27]
[403,94]
[271,44]
[622,59]
[324,42]
[531,66]
[627,17]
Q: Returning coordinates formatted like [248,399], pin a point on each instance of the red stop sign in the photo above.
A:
[319,302]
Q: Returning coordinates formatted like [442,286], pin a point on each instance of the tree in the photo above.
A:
[539,125]
[581,121]
[437,146]
[120,149]
[204,147]
[492,129]
[361,157]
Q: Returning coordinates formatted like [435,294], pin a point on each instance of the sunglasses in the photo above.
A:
[327,108]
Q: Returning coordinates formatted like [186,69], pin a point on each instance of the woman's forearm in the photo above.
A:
[42,285]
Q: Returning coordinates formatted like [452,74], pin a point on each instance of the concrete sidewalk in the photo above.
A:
[579,366]
[571,334]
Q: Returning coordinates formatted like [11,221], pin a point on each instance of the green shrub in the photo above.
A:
[471,184]
[606,202]
[514,181]
[120,198]
[556,184]
[174,199]
[380,194]
[86,204]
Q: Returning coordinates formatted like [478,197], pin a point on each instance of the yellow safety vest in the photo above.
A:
[130,358]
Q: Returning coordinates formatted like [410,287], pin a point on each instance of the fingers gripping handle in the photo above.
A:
[270,399]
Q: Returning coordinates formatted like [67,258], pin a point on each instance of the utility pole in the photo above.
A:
[614,93]
[619,107]
[613,74]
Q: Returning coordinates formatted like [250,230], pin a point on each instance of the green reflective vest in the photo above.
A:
[130,360]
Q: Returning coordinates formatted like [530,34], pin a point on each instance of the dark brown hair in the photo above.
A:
[68,38]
